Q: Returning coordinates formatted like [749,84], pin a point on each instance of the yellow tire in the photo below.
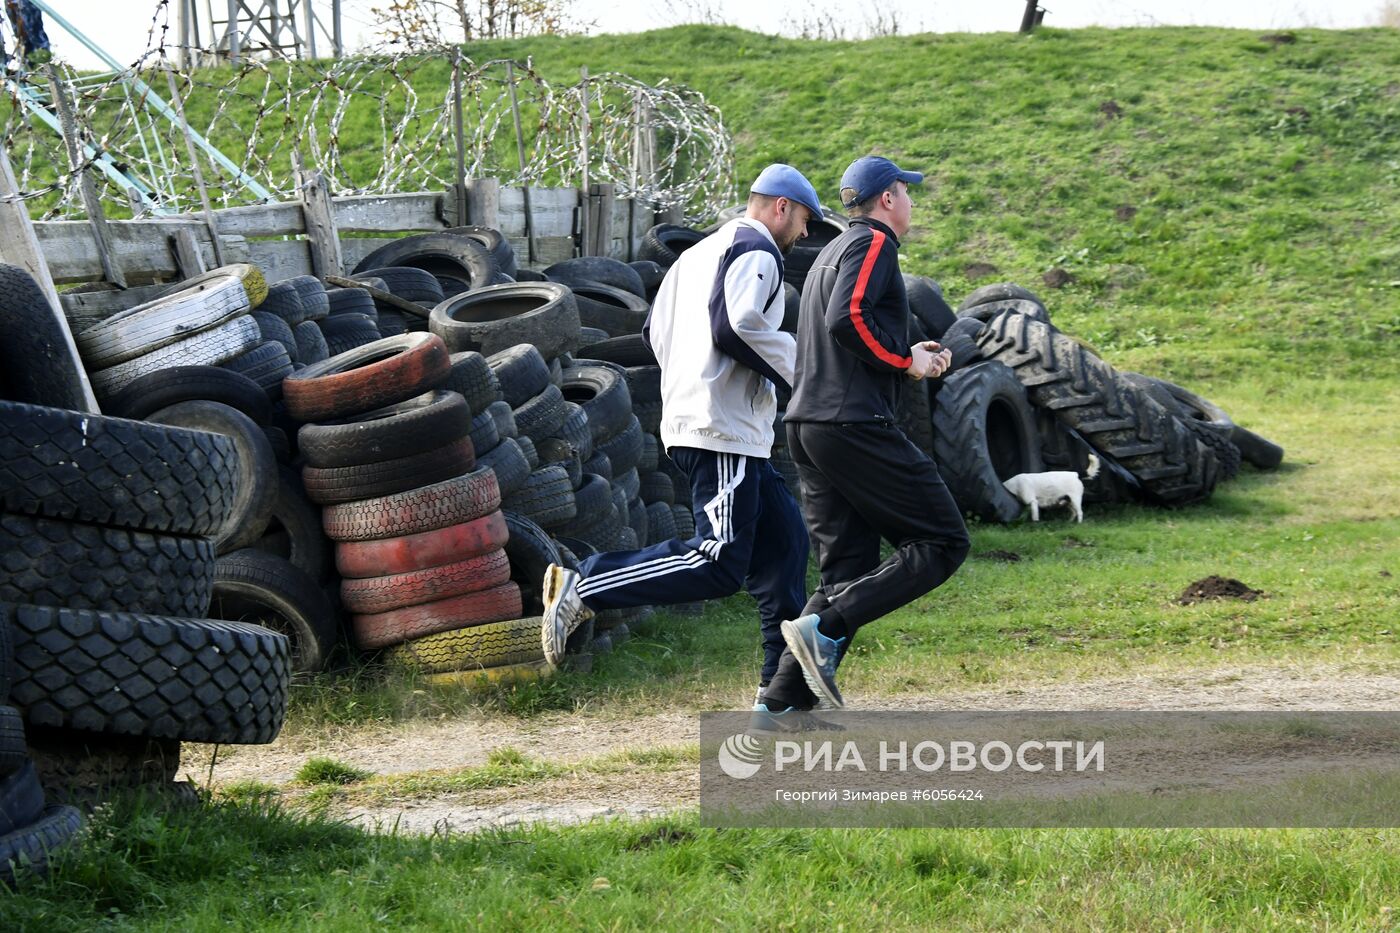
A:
[491,644]
[488,677]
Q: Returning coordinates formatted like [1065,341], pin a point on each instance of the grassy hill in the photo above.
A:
[1231,220]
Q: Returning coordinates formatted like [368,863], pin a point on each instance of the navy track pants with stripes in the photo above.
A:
[748,532]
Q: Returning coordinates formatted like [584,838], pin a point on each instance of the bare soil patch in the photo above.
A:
[1216,587]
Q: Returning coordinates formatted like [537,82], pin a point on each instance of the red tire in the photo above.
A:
[380,594]
[406,553]
[451,502]
[382,629]
[372,376]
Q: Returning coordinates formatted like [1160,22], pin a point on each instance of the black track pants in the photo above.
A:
[861,483]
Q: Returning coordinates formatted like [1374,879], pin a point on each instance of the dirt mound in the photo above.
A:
[1009,557]
[1213,587]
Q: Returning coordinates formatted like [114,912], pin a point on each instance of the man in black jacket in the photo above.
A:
[862,479]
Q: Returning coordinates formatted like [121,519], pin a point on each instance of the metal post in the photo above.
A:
[583,184]
[233,31]
[310,28]
[194,166]
[461,138]
[520,154]
[1028,18]
[335,27]
[101,237]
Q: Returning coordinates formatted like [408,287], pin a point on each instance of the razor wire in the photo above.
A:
[372,124]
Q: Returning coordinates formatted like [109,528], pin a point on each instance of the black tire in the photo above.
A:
[413,427]
[574,430]
[542,415]
[13,752]
[657,487]
[628,350]
[21,799]
[189,383]
[651,452]
[792,306]
[599,465]
[1260,451]
[590,335]
[110,471]
[527,447]
[273,327]
[267,365]
[508,462]
[521,372]
[491,319]
[998,291]
[603,395]
[484,435]
[926,303]
[262,589]
[409,283]
[661,523]
[984,433]
[284,300]
[344,332]
[494,242]
[84,768]
[639,521]
[504,417]
[26,852]
[797,263]
[664,243]
[58,563]
[1118,419]
[194,680]
[472,376]
[651,275]
[315,302]
[257,467]
[1211,425]
[593,498]
[546,498]
[630,482]
[332,485]
[960,340]
[685,522]
[644,385]
[597,270]
[615,310]
[554,451]
[447,256]
[297,525]
[352,301]
[985,312]
[624,449]
[531,552]
[311,343]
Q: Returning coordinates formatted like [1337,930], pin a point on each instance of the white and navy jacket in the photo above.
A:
[714,330]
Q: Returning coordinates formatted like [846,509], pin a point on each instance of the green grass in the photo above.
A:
[246,866]
[1259,265]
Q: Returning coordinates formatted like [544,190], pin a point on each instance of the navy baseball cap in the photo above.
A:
[784,181]
[869,175]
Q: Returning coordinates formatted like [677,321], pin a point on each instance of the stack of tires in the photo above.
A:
[107,531]
[203,321]
[272,566]
[419,533]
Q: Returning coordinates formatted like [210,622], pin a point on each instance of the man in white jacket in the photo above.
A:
[714,330]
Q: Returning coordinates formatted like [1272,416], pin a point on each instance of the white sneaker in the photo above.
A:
[564,611]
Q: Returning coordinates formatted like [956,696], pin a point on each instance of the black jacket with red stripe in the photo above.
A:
[852,343]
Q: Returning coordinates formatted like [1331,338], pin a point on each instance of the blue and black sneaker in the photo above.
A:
[817,654]
[790,719]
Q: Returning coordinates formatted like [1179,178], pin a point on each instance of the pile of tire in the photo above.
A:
[420,540]
[1023,397]
[107,531]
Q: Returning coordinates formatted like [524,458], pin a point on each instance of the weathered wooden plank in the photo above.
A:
[554,211]
[101,239]
[108,300]
[280,219]
[319,217]
[140,247]
[548,249]
[484,202]
[603,196]
[187,254]
[280,260]
[389,212]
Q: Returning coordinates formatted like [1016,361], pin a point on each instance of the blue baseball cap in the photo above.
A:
[869,175]
[784,181]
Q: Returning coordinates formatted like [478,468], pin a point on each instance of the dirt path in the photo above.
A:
[569,738]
